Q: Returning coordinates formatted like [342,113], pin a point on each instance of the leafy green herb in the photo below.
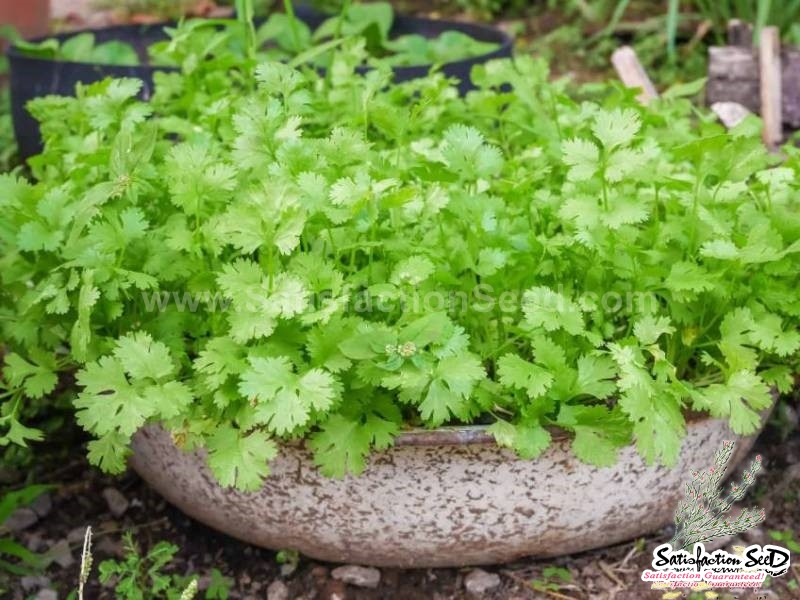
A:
[263,253]
[279,37]
[82,48]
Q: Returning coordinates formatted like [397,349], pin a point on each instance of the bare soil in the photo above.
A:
[610,573]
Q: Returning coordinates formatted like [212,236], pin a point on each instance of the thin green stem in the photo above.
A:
[288,6]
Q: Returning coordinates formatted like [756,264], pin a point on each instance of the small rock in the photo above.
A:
[76,535]
[43,505]
[20,519]
[366,577]
[106,547]
[792,473]
[334,590]
[117,503]
[730,113]
[30,583]
[478,582]
[46,594]
[277,590]
[35,543]
[61,554]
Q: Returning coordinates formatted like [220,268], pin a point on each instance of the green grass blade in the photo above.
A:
[616,17]
[762,19]
[673,14]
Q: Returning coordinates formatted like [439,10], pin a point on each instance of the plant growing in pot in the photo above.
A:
[391,324]
[411,46]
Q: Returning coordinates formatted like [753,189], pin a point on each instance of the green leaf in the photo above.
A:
[528,440]
[455,377]
[340,447]
[12,500]
[520,374]
[36,380]
[658,425]
[596,376]
[144,358]
[20,434]
[552,311]
[466,152]
[599,432]
[739,398]
[684,90]
[108,402]
[285,399]
[110,452]
[688,277]
[239,459]
[650,328]
[616,127]
[583,158]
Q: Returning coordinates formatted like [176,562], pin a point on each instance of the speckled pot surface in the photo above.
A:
[440,498]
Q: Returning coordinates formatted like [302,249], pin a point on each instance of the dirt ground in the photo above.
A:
[81,498]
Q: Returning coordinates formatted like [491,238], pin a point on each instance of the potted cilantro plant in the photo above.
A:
[390,324]
[411,46]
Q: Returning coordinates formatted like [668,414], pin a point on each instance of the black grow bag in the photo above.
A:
[31,77]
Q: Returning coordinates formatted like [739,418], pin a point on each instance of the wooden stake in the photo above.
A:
[769,58]
[740,33]
[632,73]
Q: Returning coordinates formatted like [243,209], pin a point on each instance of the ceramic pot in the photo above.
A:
[441,498]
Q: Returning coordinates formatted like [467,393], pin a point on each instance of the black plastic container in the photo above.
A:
[31,77]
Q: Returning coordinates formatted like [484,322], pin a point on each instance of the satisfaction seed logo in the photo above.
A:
[703,516]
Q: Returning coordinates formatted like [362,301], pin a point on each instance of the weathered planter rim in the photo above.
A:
[444,497]
[466,435]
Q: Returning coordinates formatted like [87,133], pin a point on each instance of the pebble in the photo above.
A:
[478,582]
[277,590]
[76,535]
[46,594]
[43,505]
[334,590]
[34,582]
[792,473]
[107,546]
[36,543]
[21,519]
[730,113]
[366,577]
[116,501]
[61,554]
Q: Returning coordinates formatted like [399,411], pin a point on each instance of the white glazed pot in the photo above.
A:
[448,497]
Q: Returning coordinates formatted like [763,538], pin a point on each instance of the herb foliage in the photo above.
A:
[362,236]
[279,37]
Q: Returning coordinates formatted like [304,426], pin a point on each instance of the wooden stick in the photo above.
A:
[740,33]
[632,73]
[769,55]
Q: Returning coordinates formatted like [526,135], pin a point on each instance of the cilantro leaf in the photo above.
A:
[340,447]
[517,373]
[529,440]
[240,459]
[284,399]
[552,311]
